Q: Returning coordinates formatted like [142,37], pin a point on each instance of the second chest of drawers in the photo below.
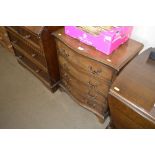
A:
[4,39]
[35,49]
[87,74]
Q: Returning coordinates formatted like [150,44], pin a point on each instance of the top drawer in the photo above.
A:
[92,67]
[29,36]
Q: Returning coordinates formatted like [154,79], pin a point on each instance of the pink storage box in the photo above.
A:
[106,42]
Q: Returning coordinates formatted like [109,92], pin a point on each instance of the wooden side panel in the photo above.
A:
[125,117]
[49,48]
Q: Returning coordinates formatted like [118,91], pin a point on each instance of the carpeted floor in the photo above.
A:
[26,103]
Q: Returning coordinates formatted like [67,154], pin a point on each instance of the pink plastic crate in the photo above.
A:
[106,42]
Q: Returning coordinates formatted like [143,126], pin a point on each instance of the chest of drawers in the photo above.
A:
[132,95]
[4,39]
[35,49]
[87,74]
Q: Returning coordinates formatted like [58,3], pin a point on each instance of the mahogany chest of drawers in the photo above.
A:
[35,49]
[132,95]
[4,39]
[87,74]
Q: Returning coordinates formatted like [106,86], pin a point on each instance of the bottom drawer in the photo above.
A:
[92,105]
[81,88]
[35,69]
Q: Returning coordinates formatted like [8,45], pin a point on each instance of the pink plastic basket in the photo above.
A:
[106,42]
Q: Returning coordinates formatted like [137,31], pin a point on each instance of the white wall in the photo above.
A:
[145,35]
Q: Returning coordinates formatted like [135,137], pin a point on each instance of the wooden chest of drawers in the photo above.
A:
[35,49]
[132,95]
[4,39]
[87,74]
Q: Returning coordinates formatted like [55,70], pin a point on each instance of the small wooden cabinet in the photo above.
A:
[4,39]
[87,74]
[35,49]
[132,95]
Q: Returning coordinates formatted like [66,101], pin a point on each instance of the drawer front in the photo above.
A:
[92,67]
[27,41]
[27,49]
[101,86]
[26,34]
[82,89]
[87,103]
[34,68]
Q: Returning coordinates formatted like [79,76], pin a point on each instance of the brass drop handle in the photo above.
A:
[9,46]
[65,67]
[91,96]
[91,85]
[37,71]
[94,105]
[64,53]
[64,82]
[66,76]
[89,103]
[14,42]
[20,56]
[93,71]
[69,88]
[27,36]
[33,55]
[66,85]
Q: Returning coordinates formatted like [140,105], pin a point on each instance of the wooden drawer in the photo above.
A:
[99,109]
[28,35]
[81,88]
[27,41]
[31,66]
[93,67]
[33,54]
[101,86]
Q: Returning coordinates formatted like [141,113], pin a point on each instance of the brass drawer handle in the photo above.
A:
[93,71]
[91,85]
[89,103]
[66,84]
[65,67]
[91,96]
[27,36]
[14,42]
[9,46]
[64,53]
[37,70]
[66,76]
[34,55]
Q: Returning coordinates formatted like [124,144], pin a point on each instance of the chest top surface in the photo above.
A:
[116,60]
[34,29]
[136,84]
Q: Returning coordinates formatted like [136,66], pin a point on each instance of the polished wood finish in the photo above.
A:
[87,74]
[35,49]
[4,39]
[132,95]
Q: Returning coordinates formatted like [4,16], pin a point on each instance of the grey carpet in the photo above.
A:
[26,103]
